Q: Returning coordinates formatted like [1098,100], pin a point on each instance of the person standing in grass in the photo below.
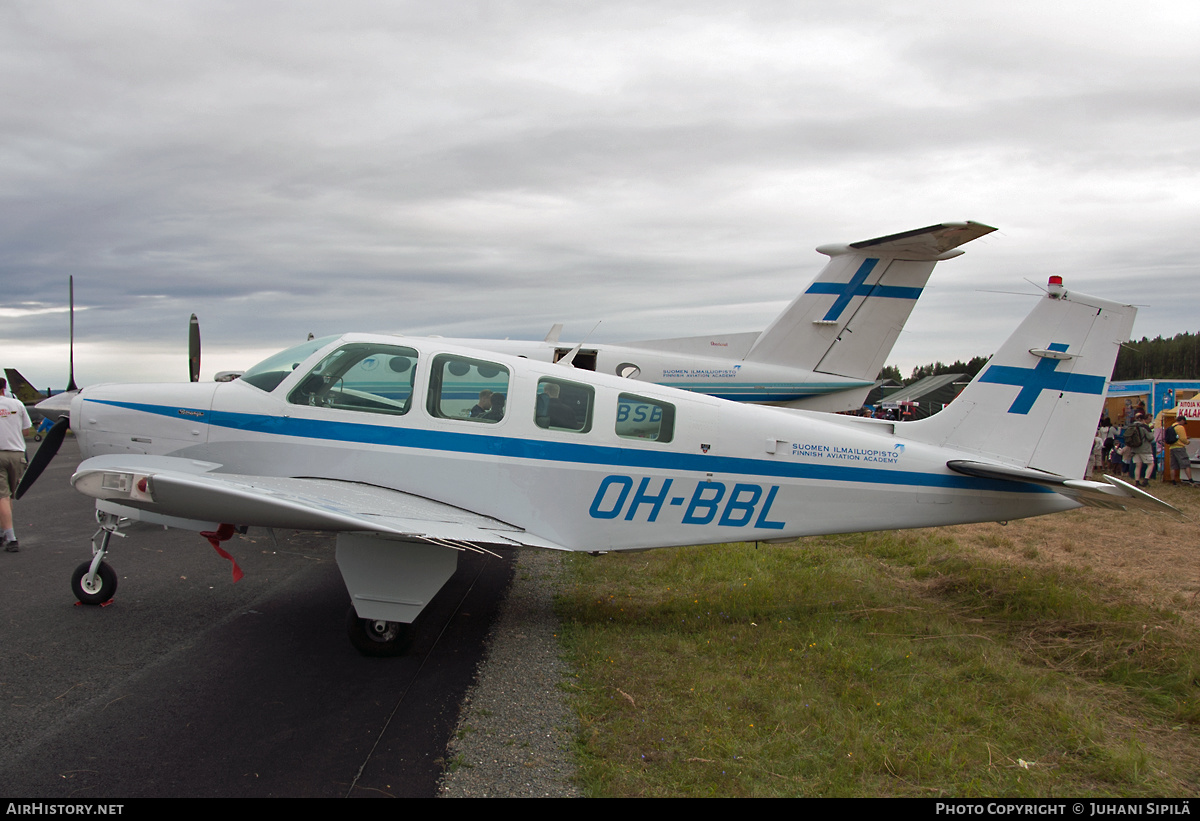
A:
[1140,441]
[1096,458]
[1177,441]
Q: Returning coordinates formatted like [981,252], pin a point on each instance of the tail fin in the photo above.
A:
[21,388]
[1037,401]
[847,321]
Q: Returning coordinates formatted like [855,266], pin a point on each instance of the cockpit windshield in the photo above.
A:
[267,375]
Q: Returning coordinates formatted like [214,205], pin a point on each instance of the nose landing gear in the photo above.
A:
[95,582]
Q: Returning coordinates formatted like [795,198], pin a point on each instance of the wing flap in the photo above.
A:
[188,489]
[1112,493]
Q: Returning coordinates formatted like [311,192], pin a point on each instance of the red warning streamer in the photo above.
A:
[222,534]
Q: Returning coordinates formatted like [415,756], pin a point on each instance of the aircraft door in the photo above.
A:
[585,360]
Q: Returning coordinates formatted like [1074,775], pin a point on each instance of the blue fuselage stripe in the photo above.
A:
[548,451]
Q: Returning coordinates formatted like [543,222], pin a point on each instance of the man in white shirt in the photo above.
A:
[14,424]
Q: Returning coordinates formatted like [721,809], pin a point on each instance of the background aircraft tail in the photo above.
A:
[1037,402]
[847,321]
[21,388]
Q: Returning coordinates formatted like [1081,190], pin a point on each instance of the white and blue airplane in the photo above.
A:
[379,439]
[822,352]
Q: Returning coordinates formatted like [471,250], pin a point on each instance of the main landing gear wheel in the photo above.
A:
[99,589]
[377,638]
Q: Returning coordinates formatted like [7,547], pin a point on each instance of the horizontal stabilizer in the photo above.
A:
[1115,495]
[925,243]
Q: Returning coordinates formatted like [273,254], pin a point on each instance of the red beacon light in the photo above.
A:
[1055,287]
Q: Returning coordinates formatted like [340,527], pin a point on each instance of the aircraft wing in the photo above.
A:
[1115,495]
[187,489]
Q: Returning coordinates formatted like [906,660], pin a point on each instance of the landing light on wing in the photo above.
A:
[117,485]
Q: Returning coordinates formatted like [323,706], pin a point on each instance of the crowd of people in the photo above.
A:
[1136,450]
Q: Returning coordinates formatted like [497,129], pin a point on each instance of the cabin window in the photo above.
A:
[563,405]
[641,418]
[362,376]
[267,375]
[462,388]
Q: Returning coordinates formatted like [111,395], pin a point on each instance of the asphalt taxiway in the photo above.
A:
[190,685]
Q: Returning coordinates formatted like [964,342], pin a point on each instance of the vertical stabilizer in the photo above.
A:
[1037,401]
[847,321]
[21,388]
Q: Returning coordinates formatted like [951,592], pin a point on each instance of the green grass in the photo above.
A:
[879,664]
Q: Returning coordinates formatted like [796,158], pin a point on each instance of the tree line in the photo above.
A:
[1158,358]
[970,368]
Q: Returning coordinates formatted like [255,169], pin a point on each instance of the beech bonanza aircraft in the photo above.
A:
[378,438]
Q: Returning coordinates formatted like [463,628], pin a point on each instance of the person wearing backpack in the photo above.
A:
[1176,439]
[1140,440]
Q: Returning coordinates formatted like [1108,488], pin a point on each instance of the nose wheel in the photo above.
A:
[94,588]
[378,638]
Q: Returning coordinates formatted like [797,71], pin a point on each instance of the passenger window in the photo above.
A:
[363,376]
[563,405]
[462,388]
[642,418]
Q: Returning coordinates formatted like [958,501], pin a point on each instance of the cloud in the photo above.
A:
[492,168]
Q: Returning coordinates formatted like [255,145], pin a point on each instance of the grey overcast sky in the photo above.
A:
[488,169]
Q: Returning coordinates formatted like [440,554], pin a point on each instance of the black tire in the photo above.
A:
[37,437]
[394,640]
[94,594]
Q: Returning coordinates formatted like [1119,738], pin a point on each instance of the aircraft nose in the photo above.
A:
[141,418]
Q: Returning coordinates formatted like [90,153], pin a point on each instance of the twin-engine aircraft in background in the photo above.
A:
[383,440]
[822,353]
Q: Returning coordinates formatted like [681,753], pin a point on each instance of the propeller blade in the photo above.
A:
[71,386]
[194,349]
[50,445]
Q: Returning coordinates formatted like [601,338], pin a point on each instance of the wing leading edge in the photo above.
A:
[186,489]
